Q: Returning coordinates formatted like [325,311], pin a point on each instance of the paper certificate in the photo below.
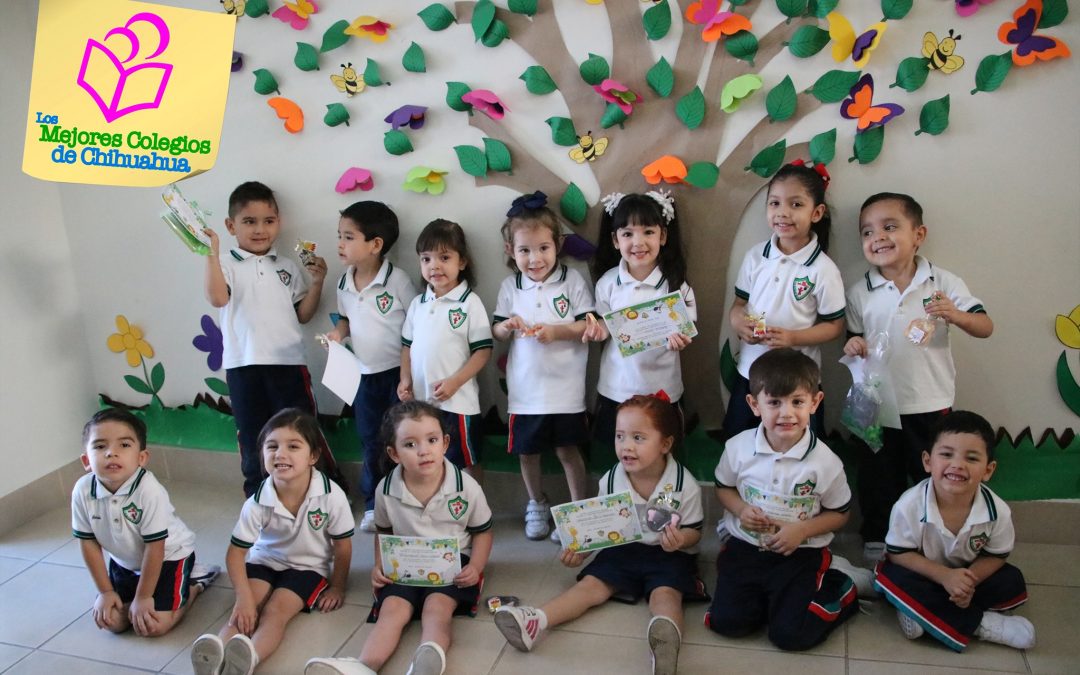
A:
[342,374]
[778,508]
[647,325]
[420,561]
[600,522]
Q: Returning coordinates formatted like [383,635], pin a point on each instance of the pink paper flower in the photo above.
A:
[618,93]
[486,102]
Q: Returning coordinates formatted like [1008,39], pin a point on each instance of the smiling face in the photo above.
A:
[639,246]
[353,249]
[890,238]
[639,445]
[441,269]
[957,464]
[785,418]
[791,212]
[112,452]
[256,226]
[287,455]
[419,446]
[534,252]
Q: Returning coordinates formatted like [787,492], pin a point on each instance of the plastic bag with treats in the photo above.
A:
[870,405]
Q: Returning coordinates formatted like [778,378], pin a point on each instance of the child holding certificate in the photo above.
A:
[661,567]
[425,495]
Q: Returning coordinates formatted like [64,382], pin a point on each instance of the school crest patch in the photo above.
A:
[977,541]
[802,287]
[457,317]
[316,519]
[562,305]
[805,489]
[132,513]
[384,301]
[457,507]
[285,276]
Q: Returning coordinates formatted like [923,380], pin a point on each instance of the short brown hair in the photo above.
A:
[779,372]
[116,415]
[251,191]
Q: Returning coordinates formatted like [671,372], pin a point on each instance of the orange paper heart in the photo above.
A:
[668,168]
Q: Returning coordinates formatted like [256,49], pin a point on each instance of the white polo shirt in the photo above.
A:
[793,291]
[916,525]
[123,522]
[809,469]
[259,324]
[645,372]
[923,376]
[459,509]
[677,480]
[441,334]
[279,540]
[375,315]
[545,379]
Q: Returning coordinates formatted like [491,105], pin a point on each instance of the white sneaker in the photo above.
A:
[860,576]
[521,626]
[664,642]
[1014,631]
[203,575]
[873,552]
[555,536]
[911,628]
[338,666]
[537,515]
[207,655]
[428,659]
[240,656]
[367,523]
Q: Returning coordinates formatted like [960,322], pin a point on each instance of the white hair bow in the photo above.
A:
[611,202]
[666,202]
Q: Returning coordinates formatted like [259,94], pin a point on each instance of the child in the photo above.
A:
[373,296]
[424,496]
[948,538]
[661,567]
[645,261]
[263,299]
[784,493]
[120,507]
[280,554]
[789,282]
[542,310]
[446,340]
[914,302]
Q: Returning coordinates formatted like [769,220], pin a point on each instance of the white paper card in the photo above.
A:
[342,374]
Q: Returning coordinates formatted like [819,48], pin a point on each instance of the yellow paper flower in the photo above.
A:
[129,339]
[1067,328]
[369,27]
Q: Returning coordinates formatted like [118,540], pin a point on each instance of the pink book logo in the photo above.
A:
[144,81]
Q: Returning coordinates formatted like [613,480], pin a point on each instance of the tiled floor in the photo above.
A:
[45,624]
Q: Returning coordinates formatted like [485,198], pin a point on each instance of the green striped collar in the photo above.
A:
[242,255]
[132,484]
[464,289]
[524,283]
[800,451]
[806,255]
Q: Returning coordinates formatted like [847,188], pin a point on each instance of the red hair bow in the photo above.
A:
[818,168]
[662,395]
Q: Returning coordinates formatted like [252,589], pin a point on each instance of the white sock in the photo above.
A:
[543,619]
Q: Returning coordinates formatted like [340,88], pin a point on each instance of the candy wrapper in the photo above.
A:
[660,511]
[306,251]
[920,331]
[186,220]
[494,602]
[760,329]
[871,402]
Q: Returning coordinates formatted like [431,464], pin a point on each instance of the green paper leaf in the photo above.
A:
[594,69]
[895,9]
[791,8]
[912,73]
[336,113]
[742,45]
[217,385]
[657,20]
[562,131]
[702,175]
[454,92]
[1053,13]
[397,142]
[613,115]
[265,82]
[157,377]
[256,8]
[138,385]
[436,17]
[372,78]
[834,86]
[335,36]
[482,17]
[868,145]
[691,108]
[661,78]
[736,3]
[807,41]
[573,205]
[526,7]
[538,81]
[472,160]
[307,57]
[782,100]
[768,161]
[821,8]
[495,34]
[1066,384]
[413,60]
[823,147]
[934,117]
[498,155]
[992,71]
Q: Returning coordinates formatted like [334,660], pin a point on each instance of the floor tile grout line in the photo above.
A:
[93,660]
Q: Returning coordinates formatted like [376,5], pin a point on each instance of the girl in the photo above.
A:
[662,566]
[424,496]
[788,292]
[446,340]
[289,530]
[541,310]
[645,261]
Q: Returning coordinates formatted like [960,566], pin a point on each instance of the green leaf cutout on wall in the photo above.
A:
[336,114]
[498,155]
[594,69]
[413,60]
[894,10]
[868,145]
[791,8]
[396,142]
[743,45]
[256,8]
[307,57]
[436,17]
[934,116]
[782,100]
[823,147]
[573,205]
[912,73]
[538,81]
[834,86]
[768,161]
[613,115]
[334,36]
[526,7]
[657,20]
[454,92]
[562,131]
[498,32]
[807,41]
[265,82]
[472,160]
[821,8]
[661,78]
[1053,13]
[702,175]
[691,108]
[482,17]
[992,71]
[372,76]
[217,385]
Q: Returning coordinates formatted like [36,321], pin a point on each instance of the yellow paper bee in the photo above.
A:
[588,148]
[941,53]
[234,7]
[349,81]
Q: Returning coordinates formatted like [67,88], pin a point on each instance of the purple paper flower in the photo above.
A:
[210,342]
[412,115]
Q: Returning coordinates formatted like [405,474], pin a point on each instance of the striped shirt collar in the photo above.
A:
[983,509]
[924,271]
[805,255]
[655,279]
[524,283]
[242,255]
[457,294]
[395,484]
[266,493]
[799,451]
[127,489]
[348,283]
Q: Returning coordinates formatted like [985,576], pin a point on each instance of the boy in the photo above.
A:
[784,493]
[948,538]
[263,299]
[120,507]
[373,296]
[914,302]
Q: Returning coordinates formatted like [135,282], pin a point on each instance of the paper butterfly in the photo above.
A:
[717,23]
[969,7]
[859,106]
[295,13]
[846,43]
[1021,32]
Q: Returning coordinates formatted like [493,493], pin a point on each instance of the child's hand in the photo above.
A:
[779,337]
[107,609]
[941,307]
[753,518]
[677,342]
[515,323]
[856,346]
[404,389]
[331,599]
[444,390]
[672,538]
[786,540]
[378,579]
[215,243]
[571,558]
[959,583]
[745,331]
[544,333]
[244,617]
[468,576]
[594,330]
[317,269]
[961,601]
[334,335]
[143,617]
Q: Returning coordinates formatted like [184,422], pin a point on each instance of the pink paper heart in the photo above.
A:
[354,178]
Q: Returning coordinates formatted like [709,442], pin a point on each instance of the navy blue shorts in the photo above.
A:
[636,569]
[533,434]
[171,592]
[466,436]
[307,584]
[467,598]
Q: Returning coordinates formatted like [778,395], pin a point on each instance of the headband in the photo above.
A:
[536,200]
[818,168]
[663,198]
